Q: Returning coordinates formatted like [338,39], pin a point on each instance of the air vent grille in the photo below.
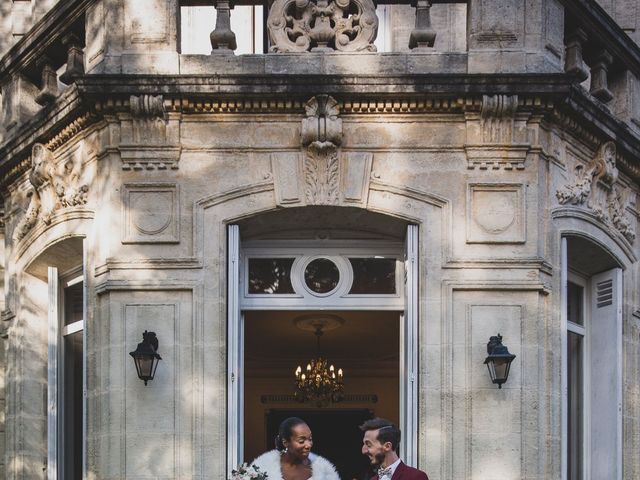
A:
[604,293]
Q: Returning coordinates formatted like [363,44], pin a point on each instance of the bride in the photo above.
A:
[292,459]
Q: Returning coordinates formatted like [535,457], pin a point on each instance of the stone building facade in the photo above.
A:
[483,152]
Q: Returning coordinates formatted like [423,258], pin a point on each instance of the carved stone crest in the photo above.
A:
[322,25]
[595,186]
[54,187]
[321,134]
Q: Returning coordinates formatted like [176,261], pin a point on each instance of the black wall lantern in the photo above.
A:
[146,357]
[498,361]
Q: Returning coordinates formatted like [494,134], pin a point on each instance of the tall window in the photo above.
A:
[576,333]
[66,386]
[592,366]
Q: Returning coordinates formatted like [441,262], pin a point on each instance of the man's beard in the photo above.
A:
[377,459]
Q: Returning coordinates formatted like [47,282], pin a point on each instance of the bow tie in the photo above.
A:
[382,472]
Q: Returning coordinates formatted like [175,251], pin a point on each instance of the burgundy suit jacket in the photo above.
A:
[405,472]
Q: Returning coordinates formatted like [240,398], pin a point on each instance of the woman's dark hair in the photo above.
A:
[387,431]
[285,430]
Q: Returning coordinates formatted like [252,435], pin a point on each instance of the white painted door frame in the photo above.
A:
[408,351]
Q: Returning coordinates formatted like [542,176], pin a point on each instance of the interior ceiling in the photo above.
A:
[364,336]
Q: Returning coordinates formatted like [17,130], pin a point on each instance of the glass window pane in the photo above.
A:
[576,398]
[322,275]
[270,275]
[73,303]
[72,406]
[575,302]
[373,275]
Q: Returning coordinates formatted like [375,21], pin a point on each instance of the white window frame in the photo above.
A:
[336,251]
[566,326]
[583,331]
[405,302]
[55,377]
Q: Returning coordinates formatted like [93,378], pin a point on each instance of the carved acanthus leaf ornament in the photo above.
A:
[595,187]
[321,134]
[54,187]
[322,25]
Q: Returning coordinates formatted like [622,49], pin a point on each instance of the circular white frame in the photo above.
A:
[344,271]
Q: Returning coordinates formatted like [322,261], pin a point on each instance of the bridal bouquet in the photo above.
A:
[247,472]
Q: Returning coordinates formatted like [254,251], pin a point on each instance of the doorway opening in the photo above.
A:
[366,346]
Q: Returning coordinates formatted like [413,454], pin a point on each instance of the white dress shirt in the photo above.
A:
[392,467]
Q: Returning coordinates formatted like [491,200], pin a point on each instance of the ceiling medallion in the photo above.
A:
[320,382]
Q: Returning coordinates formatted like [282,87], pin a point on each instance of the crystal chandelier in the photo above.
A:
[319,382]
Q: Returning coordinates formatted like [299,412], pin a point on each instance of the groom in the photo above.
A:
[380,444]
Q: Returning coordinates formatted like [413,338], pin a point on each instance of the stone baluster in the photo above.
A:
[573,63]
[422,36]
[599,71]
[223,40]
[49,88]
[75,59]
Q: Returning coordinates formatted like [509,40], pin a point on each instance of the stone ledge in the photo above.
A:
[325,63]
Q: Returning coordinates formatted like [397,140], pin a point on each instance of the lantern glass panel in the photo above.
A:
[501,369]
[145,366]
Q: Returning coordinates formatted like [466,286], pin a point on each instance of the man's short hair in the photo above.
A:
[387,431]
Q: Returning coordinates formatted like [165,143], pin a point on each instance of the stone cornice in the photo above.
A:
[86,102]
[305,86]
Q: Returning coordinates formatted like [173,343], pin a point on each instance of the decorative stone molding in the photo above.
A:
[496,213]
[493,143]
[54,187]
[147,106]
[322,25]
[321,134]
[150,213]
[596,187]
[150,140]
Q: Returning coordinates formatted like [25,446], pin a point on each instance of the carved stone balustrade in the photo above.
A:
[599,73]
[322,25]
[423,35]
[75,58]
[574,64]
[49,85]
[223,40]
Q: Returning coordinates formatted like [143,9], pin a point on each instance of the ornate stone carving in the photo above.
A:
[54,187]
[150,139]
[147,106]
[496,136]
[321,134]
[497,117]
[321,174]
[322,25]
[595,186]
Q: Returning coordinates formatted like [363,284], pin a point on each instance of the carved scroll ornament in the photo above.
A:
[321,134]
[322,25]
[595,186]
[54,187]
